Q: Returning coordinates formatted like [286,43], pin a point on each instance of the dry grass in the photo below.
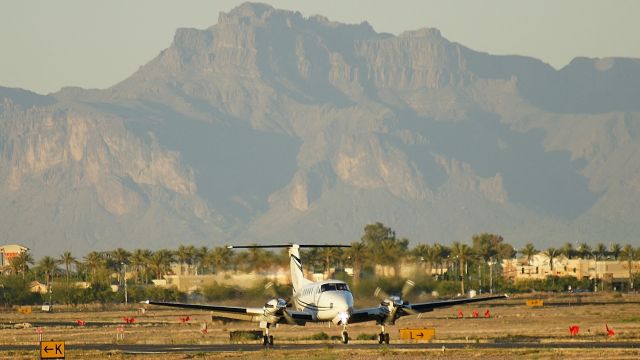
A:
[507,324]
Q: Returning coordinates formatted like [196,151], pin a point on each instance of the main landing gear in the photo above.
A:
[266,338]
[383,337]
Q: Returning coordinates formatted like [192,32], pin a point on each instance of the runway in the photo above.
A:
[191,348]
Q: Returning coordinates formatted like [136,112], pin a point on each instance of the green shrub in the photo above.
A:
[319,336]
[367,337]
[217,292]
[448,287]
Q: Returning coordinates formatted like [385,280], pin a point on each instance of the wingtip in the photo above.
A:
[144,302]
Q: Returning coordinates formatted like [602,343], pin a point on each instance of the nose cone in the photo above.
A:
[343,307]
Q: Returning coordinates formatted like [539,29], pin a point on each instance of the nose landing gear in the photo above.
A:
[345,337]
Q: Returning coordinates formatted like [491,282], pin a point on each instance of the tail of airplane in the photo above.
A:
[297,275]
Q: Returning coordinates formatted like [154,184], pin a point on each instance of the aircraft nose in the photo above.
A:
[342,302]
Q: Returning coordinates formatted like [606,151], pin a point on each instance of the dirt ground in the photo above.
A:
[510,321]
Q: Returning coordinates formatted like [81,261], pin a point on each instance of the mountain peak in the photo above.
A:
[423,32]
[252,13]
[249,9]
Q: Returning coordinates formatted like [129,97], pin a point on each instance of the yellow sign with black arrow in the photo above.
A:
[52,350]
[425,334]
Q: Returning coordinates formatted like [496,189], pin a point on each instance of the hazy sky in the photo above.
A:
[94,44]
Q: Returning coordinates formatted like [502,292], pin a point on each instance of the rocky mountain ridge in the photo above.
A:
[270,126]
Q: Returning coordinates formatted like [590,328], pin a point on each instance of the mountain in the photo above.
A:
[271,127]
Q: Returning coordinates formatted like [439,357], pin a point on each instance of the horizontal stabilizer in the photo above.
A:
[284,246]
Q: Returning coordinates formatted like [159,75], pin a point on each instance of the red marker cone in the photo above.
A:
[610,332]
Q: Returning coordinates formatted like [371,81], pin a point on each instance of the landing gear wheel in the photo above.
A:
[265,340]
[270,340]
[380,338]
[386,338]
[345,337]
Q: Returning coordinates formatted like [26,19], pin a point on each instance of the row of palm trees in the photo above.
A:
[378,246]
[584,251]
[600,252]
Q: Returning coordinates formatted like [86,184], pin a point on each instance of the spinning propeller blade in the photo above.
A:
[406,289]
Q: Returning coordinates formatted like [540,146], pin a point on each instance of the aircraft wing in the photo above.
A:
[369,314]
[380,313]
[429,306]
[254,314]
[226,312]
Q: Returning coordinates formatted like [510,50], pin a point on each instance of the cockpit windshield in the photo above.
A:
[334,287]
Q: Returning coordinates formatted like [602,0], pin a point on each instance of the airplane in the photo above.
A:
[322,301]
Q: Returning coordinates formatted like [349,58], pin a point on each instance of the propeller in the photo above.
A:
[279,304]
[395,303]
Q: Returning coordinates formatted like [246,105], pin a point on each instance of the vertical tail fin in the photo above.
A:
[297,276]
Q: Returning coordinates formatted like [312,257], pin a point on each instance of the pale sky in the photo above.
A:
[49,44]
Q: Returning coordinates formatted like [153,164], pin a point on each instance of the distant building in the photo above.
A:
[8,252]
[609,271]
[190,283]
[38,287]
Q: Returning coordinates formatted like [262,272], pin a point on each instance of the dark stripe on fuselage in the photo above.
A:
[313,306]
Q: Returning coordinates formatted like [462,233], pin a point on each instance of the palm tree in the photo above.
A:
[615,250]
[48,266]
[420,253]
[568,250]
[444,254]
[329,254]
[120,256]
[219,259]
[160,261]
[391,253]
[462,252]
[185,255]
[529,251]
[600,251]
[20,263]
[433,257]
[94,261]
[551,253]
[139,260]
[67,259]
[198,258]
[629,254]
[584,250]
[356,255]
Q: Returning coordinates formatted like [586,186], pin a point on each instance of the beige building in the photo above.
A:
[190,283]
[8,252]
[611,271]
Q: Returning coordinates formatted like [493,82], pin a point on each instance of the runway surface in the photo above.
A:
[190,348]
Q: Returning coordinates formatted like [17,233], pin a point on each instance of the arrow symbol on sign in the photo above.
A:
[47,348]
[419,334]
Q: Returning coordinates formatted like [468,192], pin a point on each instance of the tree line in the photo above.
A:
[446,269]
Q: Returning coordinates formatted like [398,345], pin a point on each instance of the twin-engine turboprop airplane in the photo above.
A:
[323,301]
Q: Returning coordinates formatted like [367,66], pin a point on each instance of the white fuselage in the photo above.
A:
[329,300]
